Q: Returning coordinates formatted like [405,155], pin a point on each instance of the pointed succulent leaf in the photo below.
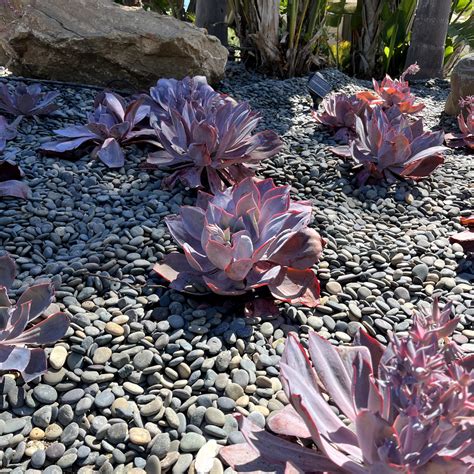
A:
[37,365]
[296,286]
[45,332]
[288,422]
[15,333]
[111,154]
[7,271]
[40,296]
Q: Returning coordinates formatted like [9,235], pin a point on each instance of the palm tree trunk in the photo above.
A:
[211,14]
[366,42]
[428,37]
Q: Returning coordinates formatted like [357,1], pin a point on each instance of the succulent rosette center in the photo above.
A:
[246,237]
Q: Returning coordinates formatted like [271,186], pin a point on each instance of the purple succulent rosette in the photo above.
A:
[388,146]
[113,124]
[10,181]
[338,113]
[410,406]
[27,100]
[206,137]
[246,237]
[466,126]
[15,336]
[392,93]
[173,94]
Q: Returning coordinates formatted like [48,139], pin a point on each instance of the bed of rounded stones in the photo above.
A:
[145,376]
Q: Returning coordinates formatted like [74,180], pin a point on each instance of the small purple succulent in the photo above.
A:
[466,126]
[10,181]
[207,137]
[27,101]
[410,406]
[394,93]
[339,113]
[246,237]
[7,131]
[173,94]
[113,124]
[388,146]
[15,335]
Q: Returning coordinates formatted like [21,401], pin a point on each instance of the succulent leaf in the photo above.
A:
[15,333]
[10,181]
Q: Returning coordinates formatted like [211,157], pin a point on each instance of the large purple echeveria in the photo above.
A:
[246,237]
[410,407]
[113,124]
[388,146]
[15,335]
[10,180]
[27,100]
[207,138]
[466,126]
[338,113]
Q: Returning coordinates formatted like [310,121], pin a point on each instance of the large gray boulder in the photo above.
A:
[100,42]
[462,83]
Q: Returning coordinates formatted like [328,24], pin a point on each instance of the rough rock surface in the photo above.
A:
[462,83]
[100,42]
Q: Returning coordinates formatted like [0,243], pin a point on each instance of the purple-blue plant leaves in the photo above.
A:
[246,237]
[17,332]
[113,124]
[10,181]
[27,100]
[207,138]
[410,406]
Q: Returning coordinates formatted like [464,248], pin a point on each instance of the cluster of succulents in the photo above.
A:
[381,138]
[410,406]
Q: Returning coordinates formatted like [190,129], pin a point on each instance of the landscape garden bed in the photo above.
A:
[145,372]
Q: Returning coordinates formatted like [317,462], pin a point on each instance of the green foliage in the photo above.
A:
[460,32]
[396,33]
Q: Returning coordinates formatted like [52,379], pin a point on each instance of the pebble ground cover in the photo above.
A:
[145,374]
